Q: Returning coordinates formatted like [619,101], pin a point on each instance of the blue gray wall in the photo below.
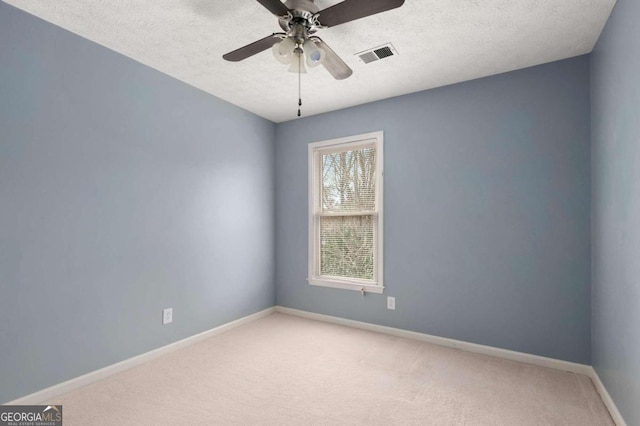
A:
[122,192]
[487,211]
[616,208]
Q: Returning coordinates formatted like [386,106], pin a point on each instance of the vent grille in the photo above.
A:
[383,52]
[377,53]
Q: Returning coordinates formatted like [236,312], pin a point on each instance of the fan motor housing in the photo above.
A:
[302,12]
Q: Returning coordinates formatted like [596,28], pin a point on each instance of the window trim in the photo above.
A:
[347,143]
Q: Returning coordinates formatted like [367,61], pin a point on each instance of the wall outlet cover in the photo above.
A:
[167,316]
[391,303]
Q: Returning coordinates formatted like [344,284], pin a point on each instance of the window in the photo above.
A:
[345,213]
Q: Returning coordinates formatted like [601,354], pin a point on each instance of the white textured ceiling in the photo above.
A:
[439,42]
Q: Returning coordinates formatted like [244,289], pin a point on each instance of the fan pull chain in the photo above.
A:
[299,84]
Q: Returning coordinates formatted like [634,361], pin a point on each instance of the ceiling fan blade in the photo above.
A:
[275,6]
[253,48]
[332,62]
[350,10]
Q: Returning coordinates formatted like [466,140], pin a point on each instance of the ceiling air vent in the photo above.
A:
[377,53]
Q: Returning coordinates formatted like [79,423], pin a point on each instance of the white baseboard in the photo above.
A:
[451,343]
[97,375]
[606,398]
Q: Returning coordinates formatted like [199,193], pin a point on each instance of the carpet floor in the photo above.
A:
[285,370]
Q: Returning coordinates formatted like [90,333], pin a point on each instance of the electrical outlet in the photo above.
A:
[391,303]
[167,316]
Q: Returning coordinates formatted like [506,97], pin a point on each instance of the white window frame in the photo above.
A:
[316,149]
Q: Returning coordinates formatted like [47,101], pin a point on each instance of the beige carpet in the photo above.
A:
[284,370]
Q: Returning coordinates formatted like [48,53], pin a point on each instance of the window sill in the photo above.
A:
[346,285]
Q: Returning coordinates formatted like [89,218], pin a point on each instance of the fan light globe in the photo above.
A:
[297,63]
[283,51]
[314,54]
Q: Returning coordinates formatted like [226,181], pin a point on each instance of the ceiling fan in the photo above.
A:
[300,20]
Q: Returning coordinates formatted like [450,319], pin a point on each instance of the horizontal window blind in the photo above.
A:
[349,181]
[348,191]
[346,247]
